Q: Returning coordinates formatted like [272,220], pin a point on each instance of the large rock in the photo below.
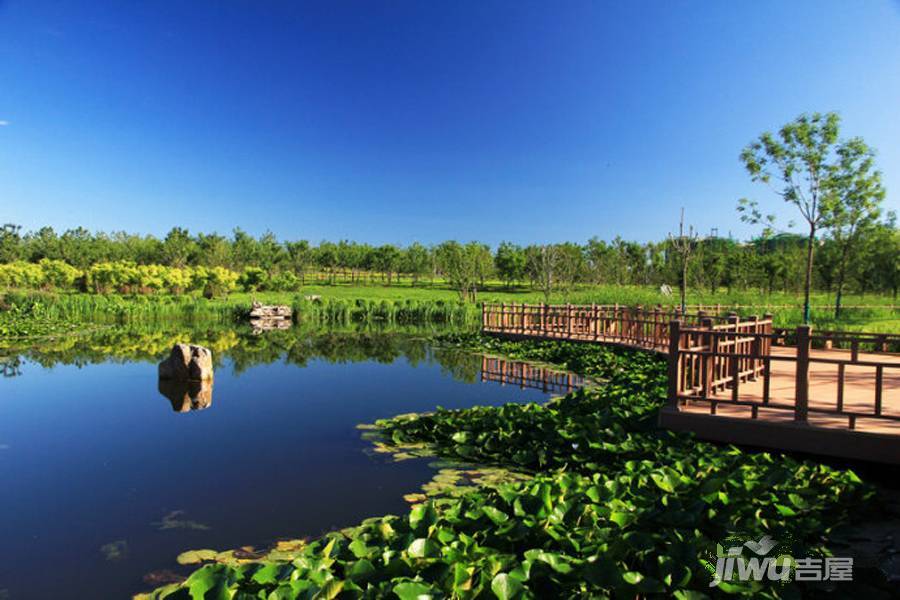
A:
[187,362]
[277,311]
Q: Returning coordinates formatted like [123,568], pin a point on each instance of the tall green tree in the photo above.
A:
[10,242]
[459,264]
[510,262]
[178,247]
[387,260]
[546,266]
[858,194]
[416,261]
[299,257]
[802,163]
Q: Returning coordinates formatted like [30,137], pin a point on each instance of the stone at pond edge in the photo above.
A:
[187,362]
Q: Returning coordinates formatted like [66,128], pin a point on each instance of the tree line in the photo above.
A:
[180,261]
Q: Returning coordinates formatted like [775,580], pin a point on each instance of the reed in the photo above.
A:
[343,311]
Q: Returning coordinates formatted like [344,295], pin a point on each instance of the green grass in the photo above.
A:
[871,313]
[880,314]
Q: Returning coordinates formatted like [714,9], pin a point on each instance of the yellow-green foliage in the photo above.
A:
[118,277]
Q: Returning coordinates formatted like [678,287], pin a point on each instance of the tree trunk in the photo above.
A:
[842,269]
[810,243]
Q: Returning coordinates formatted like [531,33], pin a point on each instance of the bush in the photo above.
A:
[253,279]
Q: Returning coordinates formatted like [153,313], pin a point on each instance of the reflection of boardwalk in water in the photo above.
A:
[525,375]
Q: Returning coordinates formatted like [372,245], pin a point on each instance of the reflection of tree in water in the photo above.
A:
[11,366]
[296,346]
[460,364]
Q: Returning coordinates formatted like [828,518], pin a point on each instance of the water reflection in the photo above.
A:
[10,366]
[263,324]
[527,375]
[280,455]
[186,396]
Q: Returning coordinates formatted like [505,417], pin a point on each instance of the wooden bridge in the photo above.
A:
[742,380]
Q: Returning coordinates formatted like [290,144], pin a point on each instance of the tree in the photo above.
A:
[458,264]
[43,244]
[600,256]
[510,263]
[299,257]
[683,246]
[244,249]
[387,260]
[269,252]
[858,193]
[545,264]
[78,248]
[213,250]
[484,261]
[178,247]
[326,257]
[805,161]
[881,267]
[10,242]
[416,261]
[570,267]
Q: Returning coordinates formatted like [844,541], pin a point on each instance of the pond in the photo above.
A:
[106,479]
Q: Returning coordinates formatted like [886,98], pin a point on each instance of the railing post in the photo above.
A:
[674,362]
[708,372]
[755,362]
[523,319]
[569,320]
[483,316]
[801,393]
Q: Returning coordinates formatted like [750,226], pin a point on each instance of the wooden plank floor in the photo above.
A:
[859,394]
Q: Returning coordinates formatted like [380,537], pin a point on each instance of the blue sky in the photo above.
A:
[403,121]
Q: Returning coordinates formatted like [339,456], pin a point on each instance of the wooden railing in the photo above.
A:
[705,362]
[712,356]
[527,375]
[847,340]
[637,327]
[733,361]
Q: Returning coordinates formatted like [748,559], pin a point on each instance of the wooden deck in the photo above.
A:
[742,381]
[858,396]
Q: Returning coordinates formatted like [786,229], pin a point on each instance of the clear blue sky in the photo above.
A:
[397,121]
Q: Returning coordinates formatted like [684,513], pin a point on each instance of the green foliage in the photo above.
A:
[253,279]
[131,264]
[831,183]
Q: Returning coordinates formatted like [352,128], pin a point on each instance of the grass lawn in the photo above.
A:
[879,315]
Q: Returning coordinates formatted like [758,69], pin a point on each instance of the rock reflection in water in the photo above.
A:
[186,396]
[264,324]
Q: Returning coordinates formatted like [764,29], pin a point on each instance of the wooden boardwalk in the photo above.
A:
[743,381]
[858,397]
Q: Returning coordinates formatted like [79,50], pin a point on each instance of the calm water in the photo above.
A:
[103,482]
